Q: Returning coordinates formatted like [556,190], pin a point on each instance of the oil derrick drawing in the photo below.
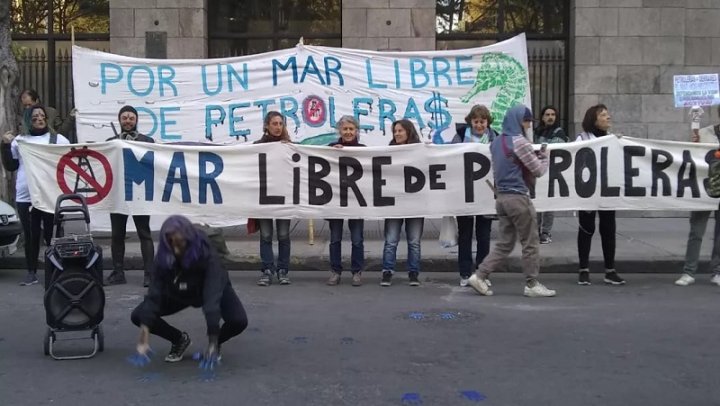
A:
[82,186]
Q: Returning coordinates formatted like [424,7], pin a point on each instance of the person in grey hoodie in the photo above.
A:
[515,166]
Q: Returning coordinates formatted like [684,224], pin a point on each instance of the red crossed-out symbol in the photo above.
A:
[84,171]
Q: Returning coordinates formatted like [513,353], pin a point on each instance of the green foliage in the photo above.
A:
[30,16]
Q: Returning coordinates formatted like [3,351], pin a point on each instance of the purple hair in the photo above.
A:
[198,246]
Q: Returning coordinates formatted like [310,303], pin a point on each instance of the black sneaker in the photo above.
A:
[545,238]
[283,277]
[265,278]
[584,278]
[116,278]
[178,349]
[30,279]
[386,278]
[612,278]
[414,281]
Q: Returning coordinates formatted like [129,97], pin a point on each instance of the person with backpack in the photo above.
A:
[699,220]
[32,220]
[548,132]
[475,130]
[128,118]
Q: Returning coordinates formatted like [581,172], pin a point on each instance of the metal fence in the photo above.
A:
[549,81]
[35,74]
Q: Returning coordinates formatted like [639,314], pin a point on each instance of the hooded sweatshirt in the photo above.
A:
[508,160]
[12,160]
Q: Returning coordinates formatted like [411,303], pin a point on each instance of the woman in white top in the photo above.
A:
[35,119]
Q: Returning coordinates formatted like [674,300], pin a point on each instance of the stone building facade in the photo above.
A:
[623,53]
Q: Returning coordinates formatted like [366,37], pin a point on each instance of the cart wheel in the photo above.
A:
[100,338]
[49,335]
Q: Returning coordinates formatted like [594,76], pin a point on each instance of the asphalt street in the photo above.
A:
[646,343]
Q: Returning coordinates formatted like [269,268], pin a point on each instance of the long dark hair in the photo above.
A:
[266,137]
[591,115]
[413,137]
[198,246]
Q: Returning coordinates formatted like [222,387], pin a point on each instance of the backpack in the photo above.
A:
[53,137]
[527,176]
[713,189]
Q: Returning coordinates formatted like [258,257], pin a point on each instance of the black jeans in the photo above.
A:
[483,225]
[607,236]
[118,224]
[32,221]
[232,311]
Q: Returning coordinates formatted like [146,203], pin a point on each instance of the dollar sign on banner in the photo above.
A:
[440,117]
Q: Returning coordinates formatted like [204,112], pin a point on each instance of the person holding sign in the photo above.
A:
[274,130]
[515,167]
[548,132]
[348,127]
[36,120]
[187,272]
[404,133]
[475,130]
[128,118]
[699,220]
[596,123]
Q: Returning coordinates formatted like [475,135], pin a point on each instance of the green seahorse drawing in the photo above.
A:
[506,73]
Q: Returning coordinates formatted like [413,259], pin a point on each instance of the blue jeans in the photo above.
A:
[483,225]
[266,244]
[413,232]
[357,257]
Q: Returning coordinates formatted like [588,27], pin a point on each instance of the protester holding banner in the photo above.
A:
[30,98]
[596,123]
[515,167]
[475,130]
[404,133]
[35,119]
[187,272]
[348,127]
[274,130]
[128,118]
[548,132]
[698,223]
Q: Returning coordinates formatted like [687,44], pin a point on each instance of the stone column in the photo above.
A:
[178,26]
[406,25]
[626,53]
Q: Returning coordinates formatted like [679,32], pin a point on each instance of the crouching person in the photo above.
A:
[187,273]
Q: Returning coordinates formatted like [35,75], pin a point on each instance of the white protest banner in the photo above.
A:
[295,181]
[225,100]
[696,90]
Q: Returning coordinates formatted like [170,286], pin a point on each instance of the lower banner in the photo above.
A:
[223,184]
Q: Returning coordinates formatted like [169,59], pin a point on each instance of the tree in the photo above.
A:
[9,85]
[30,16]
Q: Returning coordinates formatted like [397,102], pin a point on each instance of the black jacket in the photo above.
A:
[140,138]
[346,144]
[200,285]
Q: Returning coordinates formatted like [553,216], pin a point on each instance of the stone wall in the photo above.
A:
[406,25]
[183,22]
[626,53]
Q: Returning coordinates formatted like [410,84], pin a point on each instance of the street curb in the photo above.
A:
[316,263]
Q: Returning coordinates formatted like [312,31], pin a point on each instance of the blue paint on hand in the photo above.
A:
[416,315]
[472,395]
[411,399]
[140,360]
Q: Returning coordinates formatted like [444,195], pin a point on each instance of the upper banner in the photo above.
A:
[279,180]
[225,100]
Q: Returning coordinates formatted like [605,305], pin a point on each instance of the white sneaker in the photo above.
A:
[539,290]
[480,285]
[715,279]
[463,282]
[685,280]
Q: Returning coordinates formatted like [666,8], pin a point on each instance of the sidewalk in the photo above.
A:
[644,245]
